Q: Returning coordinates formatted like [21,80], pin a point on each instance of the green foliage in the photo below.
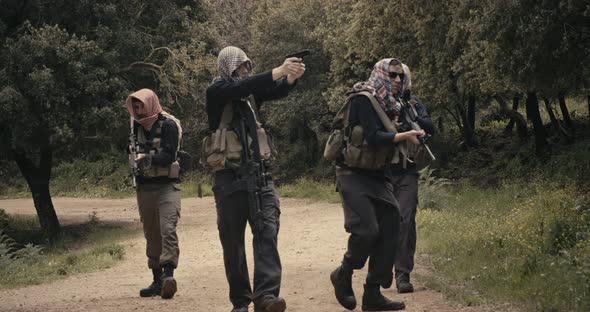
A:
[500,157]
[517,243]
[117,252]
[29,253]
[432,193]
[3,219]
[311,189]
[93,220]
[297,122]
[87,248]
[8,247]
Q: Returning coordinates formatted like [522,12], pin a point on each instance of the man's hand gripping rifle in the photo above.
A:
[408,122]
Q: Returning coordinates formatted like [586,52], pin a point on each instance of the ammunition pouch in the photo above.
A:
[359,154]
[172,171]
[350,143]
[223,149]
[153,146]
[334,145]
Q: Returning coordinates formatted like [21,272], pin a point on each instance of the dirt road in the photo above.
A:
[311,242]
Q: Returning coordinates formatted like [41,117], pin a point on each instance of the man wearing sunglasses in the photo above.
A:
[371,213]
[404,177]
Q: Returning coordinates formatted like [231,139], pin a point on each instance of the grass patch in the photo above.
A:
[527,244]
[192,182]
[84,247]
[105,178]
[323,191]
[458,294]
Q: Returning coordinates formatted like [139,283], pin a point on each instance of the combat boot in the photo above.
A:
[169,287]
[404,286]
[270,304]
[373,300]
[342,282]
[402,282]
[155,288]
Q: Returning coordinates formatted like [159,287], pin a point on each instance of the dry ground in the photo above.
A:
[311,242]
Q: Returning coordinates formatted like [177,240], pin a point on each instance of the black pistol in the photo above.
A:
[299,54]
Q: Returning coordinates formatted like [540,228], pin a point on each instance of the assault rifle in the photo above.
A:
[299,54]
[133,152]
[408,116]
[252,175]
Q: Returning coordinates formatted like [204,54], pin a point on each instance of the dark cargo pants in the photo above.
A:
[159,210]
[232,214]
[405,189]
[372,219]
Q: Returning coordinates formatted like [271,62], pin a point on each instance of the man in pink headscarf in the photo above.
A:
[158,135]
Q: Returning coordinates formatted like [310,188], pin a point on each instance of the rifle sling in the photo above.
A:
[382,116]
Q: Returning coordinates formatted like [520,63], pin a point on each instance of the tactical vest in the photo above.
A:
[150,143]
[349,142]
[223,148]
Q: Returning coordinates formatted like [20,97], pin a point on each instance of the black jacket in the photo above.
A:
[221,92]
[423,118]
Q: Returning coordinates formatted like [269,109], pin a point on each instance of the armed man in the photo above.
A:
[371,213]
[238,151]
[155,141]
[404,176]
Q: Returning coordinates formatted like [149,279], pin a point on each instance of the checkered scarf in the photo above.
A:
[380,85]
[229,59]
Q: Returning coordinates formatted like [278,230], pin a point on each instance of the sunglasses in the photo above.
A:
[393,75]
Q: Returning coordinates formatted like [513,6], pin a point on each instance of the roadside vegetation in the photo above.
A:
[26,258]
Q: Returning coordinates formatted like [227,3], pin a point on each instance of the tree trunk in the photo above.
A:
[471,112]
[441,128]
[515,117]
[554,122]
[588,99]
[532,112]
[564,111]
[510,124]
[468,132]
[37,178]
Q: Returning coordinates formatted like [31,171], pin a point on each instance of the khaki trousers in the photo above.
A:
[159,209]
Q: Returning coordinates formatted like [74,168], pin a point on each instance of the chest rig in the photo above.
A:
[151,143]
[348,143]
[223,148]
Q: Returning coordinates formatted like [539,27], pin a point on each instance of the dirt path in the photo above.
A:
[311,242]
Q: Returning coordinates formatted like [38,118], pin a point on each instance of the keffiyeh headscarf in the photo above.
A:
[380,85]
[152,106]
[229,59]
